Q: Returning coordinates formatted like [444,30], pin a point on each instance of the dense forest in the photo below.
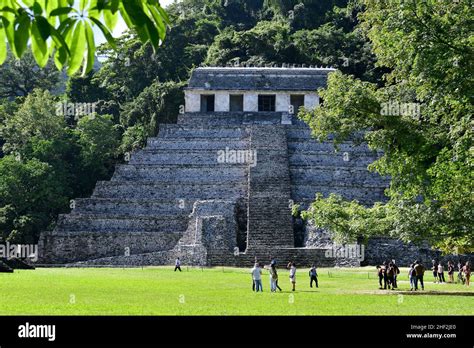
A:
[385,52]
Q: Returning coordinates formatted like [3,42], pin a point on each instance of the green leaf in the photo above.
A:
[37,9]
[110,19]
[83,4]
[51,5]
[164,15]
[22,33]
[38,46]
[63,4]
[3,46]
[44,27]
[77,46]
[90,50]
[7,21]
[60,11]
[159,22]
[108,36]
[60,58]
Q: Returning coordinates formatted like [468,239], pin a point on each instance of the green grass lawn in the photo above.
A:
[218,291]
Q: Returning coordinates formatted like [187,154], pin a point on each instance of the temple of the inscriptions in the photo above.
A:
[217,187]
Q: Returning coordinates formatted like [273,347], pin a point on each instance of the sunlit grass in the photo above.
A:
[218,291]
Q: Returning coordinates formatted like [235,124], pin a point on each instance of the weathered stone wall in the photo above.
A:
[381,249]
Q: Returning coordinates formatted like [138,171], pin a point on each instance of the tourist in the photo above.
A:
[390,276]
[292,267]
[273,266]
[412,277]
[460,275]
[441,273]
[257,277]
[385,275]
[380,271]
[313,275]
[434,268]
[396,272]
[451,271]
[420,272]
[273,277]
[467,272]
[177,265]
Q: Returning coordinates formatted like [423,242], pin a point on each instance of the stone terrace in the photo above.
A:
[174,198]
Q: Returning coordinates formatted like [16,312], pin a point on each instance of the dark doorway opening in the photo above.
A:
[266,103]
[236,102]
[207,103]
[296,101]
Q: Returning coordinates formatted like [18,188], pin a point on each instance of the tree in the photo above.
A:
[21,77]
[421,119]
[37,118]
[158,103]
[99,140]
[266,43]
[30,196]
[63,29]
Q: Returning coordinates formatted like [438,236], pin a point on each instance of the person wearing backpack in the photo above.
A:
[313,275]
[412,277]
[420,272]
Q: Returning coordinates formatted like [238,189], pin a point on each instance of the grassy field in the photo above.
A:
[219,291]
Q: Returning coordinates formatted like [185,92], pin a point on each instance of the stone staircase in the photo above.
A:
[176,197]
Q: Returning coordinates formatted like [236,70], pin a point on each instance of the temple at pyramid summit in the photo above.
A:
[217,187]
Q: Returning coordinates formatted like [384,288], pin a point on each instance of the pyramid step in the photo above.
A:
[131,207]
[329,176]
[367,193]
[216,174]
[331,159]
[210,118]
[108,223]
[184,131]
[136,190]
[203,157]
[197,143]
[315,146]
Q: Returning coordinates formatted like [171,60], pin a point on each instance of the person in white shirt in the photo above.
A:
[177,265]
[257,277]
[441,273]
[292,268]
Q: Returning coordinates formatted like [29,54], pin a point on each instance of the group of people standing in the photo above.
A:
[257,276]
[464,272]
[388,272]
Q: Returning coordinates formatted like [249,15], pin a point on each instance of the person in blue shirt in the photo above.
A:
[313,275]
